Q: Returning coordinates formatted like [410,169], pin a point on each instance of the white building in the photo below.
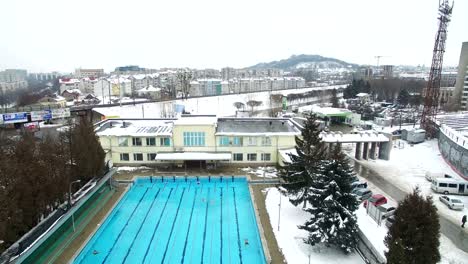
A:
[69,84]
[86,73]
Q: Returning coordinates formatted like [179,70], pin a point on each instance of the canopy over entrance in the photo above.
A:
[193,156]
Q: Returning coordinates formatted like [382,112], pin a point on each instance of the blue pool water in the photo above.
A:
[166,221]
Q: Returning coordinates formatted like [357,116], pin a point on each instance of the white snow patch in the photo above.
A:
[128,168]
[290,237]
[270,172]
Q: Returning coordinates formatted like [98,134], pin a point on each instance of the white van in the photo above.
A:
[448,185]
[433,175]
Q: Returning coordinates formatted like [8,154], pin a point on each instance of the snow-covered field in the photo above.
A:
[407,168]
[290,238]
[220,105]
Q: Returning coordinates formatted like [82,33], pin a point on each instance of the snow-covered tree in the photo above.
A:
[414,236]
[331,204]
[297,174]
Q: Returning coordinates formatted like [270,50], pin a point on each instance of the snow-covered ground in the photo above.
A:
[407,167]
[375,233]
[290,238]
[221,105]
[269,172]
[128,168]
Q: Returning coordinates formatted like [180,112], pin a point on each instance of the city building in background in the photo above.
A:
[12,79]
[461,87]
[88,73]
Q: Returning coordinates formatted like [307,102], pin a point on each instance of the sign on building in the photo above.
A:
[15,118]
[60,113]
[41,115]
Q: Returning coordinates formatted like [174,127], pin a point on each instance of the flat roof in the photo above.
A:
[193,156]
[255,126]
[146,128]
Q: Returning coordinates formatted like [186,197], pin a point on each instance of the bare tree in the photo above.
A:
[239,105]
[253,104]
[184,78]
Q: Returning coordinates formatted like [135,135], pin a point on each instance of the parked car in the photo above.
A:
[387,210]
[452,203]
[390,220]
[358,185]
[362,193]
[376,200]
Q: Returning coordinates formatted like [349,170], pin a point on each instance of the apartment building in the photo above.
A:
[12,79]
[461,87]
[197,140]
[86,73]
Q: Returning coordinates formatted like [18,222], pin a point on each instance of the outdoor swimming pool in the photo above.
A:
[179,221]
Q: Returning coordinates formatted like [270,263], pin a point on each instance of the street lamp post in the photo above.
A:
[69,201]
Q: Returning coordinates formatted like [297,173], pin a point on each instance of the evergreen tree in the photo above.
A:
[404,98]
[414,236]
[334,99]
[297,174]
[332,205]
[87,153]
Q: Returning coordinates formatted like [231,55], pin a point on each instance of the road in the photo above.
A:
[447,227]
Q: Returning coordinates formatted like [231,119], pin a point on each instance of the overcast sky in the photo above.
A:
[46,35]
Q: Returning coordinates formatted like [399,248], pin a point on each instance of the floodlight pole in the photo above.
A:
[69,201]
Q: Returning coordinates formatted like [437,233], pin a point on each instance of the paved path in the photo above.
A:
[447,227]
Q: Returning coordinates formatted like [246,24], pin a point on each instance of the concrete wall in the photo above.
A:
[454,153]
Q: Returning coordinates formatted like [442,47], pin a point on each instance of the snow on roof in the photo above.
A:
[150,88]
[349,138]
[325,111]
[68,81]
[193,156]
[362,94]
[255,126]
[75,91]
[196,120]
[135,128]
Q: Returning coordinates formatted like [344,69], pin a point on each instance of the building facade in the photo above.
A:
[203,140]
[12,79]
[86,73]
[460,95]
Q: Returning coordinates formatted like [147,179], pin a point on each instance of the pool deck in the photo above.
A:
[272,251]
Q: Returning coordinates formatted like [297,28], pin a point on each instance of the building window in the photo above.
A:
[151,141]
[124,157]
[136,141]
[266,141]
[266,156]
[224,141]
[165,141]
[123,142]
[252,157]
[151,156]
[137,156]
[194,139]
[238,156]
[237,141]
[252,141]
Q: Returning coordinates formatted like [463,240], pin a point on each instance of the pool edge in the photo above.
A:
[96,228]
[266,251]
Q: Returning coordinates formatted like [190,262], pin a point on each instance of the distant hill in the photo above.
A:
[304,61]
